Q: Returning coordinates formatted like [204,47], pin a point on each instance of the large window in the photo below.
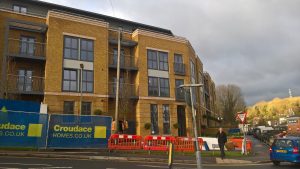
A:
[87,81]
[179,91]
[70,80]
[87,50]
[86,108]
[72,46]
[166,119]
[154,119]
[122,57]
[152,59]
[164,87]
[153,86]
[158,87]
[163,61]
[157,60]
[27,46]
[20,9]
[68,107]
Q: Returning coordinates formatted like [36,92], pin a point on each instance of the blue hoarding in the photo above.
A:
[72,131]
[23,129]
[19,106]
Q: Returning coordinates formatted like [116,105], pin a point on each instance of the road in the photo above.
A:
[43,163]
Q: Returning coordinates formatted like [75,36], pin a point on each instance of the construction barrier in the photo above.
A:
[238,143]
[186,144]
[125,142]
[158,143]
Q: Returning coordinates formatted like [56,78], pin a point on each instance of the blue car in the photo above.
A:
[285,150]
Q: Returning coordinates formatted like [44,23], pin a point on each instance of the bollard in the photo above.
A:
[171,148]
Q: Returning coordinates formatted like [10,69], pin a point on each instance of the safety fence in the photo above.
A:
[152,143]
[238,143]
[35,130]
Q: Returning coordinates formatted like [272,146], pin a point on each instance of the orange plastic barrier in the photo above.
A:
[238,143]
[125,142]
[158,143]
[186,144]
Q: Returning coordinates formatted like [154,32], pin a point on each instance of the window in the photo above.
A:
[122,57]
[152,59]
[158,87]
[68,107]
[70,80]
[86,108]
[163,61]
[87,81]
[179,91]
[157,60]
[72,46]
[87,50]
[166,119]
[193,72]
[164,87]
[20,9]
[24,80]
[153,86]
[178,58]
[154,119]
[27,46]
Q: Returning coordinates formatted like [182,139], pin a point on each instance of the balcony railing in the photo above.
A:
[179,68]
[25,84]
[126,61]
[179,94]
[127,90]
[126,39]
[26,49]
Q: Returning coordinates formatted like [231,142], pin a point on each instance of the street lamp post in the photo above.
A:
[198,156]
[81,73]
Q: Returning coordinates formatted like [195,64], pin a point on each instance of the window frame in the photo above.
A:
[166,115]
[87,81]
[160,61]
[82,108]
[159,88]
[63,80]
[79,49]
[20,8]
[68,111]
[154,119]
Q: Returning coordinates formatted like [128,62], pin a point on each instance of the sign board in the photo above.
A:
[242,116]
[72,131]
[19,129]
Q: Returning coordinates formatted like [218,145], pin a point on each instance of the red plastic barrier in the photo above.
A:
[158,143]
[238,143]
[125,142]
[186,144]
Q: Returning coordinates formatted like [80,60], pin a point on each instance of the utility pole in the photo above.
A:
[198,156]
[118,83]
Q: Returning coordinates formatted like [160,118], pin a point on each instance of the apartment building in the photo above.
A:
[67,58]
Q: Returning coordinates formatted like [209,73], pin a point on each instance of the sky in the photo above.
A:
[254,44]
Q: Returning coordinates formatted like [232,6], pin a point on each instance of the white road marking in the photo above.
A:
[49,167]
[25,164]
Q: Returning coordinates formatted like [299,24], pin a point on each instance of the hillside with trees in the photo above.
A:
[273,110]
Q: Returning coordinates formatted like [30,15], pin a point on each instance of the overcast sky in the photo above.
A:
[252,43]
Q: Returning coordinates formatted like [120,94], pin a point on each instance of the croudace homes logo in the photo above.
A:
[20,130]
[78,132]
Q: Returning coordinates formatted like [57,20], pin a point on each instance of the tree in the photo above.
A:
[230,100]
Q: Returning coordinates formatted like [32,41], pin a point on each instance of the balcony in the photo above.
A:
[25,84]
[127,90]
[126,62]
[125,39]
[179,94]
[179,68]
[26,49]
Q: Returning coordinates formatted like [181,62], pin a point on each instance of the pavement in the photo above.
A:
[56,163]
[260,155]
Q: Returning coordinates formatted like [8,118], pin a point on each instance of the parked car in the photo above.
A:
[285,150]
